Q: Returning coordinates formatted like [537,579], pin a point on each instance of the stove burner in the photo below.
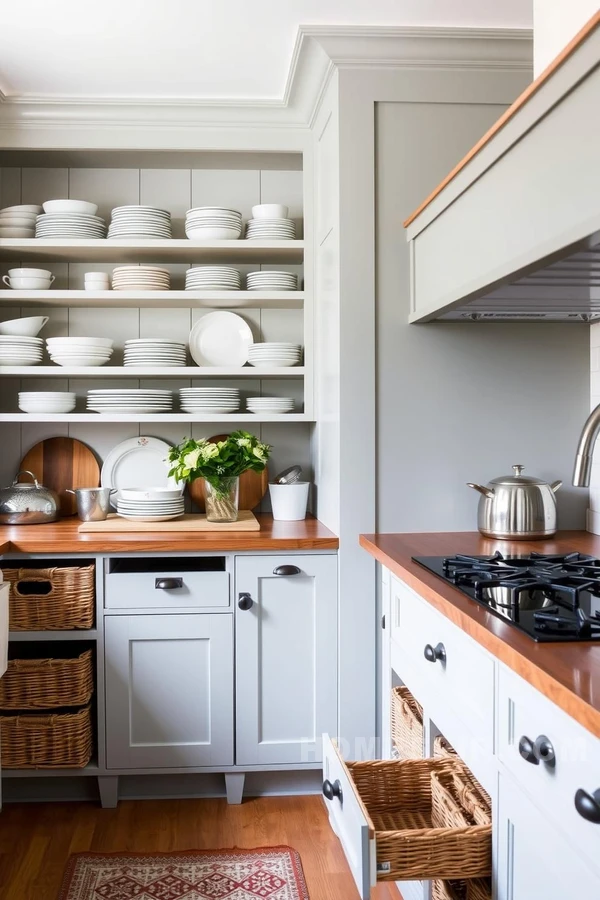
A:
[549,596]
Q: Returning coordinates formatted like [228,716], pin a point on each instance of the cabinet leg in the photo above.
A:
[234,786]
[108,786]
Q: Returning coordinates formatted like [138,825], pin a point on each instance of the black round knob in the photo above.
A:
[527,751]
[330,791]
[432,654]
[544,750]
[245,601]
[588,805]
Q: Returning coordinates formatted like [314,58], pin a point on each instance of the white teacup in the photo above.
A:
[17,283]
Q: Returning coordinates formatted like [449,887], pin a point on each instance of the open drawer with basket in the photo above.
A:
[407,819]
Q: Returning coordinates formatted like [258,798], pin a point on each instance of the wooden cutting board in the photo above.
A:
[253,485]
[60,463]
[247,521]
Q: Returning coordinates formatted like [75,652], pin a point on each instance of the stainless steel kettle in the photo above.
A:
[517,507]
[27,504]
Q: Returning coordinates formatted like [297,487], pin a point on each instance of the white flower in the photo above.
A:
[243,442]
[259,452]
[190,460]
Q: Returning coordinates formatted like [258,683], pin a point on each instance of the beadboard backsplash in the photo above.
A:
[177,190]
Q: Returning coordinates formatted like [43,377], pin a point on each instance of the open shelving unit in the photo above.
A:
[181,372]
[155,299]
[164,418]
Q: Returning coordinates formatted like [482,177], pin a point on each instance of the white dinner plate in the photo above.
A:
[220,339]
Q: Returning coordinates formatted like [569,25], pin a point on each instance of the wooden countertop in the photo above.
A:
[63,537]
[568,674]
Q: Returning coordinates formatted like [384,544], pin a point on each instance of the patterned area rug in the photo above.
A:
[269,873]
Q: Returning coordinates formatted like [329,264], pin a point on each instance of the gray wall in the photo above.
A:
[460,402]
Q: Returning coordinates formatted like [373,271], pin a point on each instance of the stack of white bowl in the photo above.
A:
[139,222]
[79,351]
[213,223]
[141,278]
[155,352]
[19,221]
[150,504]
[47,401]
[96,281]
[270,223]
[70,219]
[28,279]
[20,351]
[212,278]
[279,353]
[270,406]
[129,401]
[271,281]
[209,400]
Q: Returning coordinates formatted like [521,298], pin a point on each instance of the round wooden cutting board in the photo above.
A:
[60,463]
[253,485]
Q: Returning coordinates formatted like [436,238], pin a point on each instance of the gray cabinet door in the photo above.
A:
[286,659]
[169,691]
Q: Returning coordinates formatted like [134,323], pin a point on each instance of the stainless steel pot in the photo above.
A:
[27,504]
[517,507]
[93,504]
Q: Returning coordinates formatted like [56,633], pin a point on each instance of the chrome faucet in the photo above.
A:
[585,449]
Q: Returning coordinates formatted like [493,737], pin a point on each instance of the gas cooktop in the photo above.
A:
[550,598]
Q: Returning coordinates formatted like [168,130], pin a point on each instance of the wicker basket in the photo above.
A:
[407,724]
[403,800]
[471,796]
[68,604]
[47,683]
[448,890]
[441,747]
[479,889]
[61,741]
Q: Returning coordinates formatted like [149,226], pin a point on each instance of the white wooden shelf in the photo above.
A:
[181,372]
[165,418]
[83,634]
[164,250]
[157,299]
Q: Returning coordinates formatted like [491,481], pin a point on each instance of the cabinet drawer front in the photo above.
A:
[525,713]
[348,821]
[462,677]
[167,588]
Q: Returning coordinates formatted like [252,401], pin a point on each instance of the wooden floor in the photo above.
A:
[36,839]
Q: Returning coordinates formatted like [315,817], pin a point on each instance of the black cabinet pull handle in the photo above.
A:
[432,654]
[168,584]
[544,750]
[333,790]
[587,805]
[526,749]
[245,601]
[286,570]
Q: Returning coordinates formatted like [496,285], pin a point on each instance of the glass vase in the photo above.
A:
[221,499]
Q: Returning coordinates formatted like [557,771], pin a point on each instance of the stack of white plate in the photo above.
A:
[270,230]
[269,405]
[129,401]
[272,281]
[209,400]
[141,278]
[19,221]
[139,222]
[213,223]
[212,278]
[69,225]
[155,352]
[275,354]
[47,401]
[79,351]
[20,351]
[150,504]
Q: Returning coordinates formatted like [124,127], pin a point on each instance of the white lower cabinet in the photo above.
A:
[169,691]
[536,861]
[286,657]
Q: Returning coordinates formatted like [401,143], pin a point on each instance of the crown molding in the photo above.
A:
[317,52]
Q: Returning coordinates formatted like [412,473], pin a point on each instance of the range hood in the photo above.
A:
[513,232]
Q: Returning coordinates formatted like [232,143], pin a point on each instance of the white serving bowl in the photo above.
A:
[17,222]
[270,211]
[22,208]
[18,361]
[27,284]
[47,406]
[64,342]
[150,495]
[28,327]
[208,234]
[77,361]
[71,206]
[16,232]
[45,274]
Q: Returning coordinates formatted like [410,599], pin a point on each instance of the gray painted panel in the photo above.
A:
[459,402]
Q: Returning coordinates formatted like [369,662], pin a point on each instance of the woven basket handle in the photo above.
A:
[39,575]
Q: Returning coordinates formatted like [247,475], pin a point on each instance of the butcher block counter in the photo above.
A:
[568,674]
[63,537]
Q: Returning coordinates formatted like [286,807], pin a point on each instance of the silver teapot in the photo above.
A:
[517,507]
[27,504]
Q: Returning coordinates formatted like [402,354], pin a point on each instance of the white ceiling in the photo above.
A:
[205,49]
